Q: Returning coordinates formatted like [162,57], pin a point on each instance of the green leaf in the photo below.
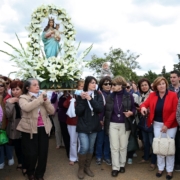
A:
[43,84]
[17,50]
[20,44]
[78,45]
[8,53]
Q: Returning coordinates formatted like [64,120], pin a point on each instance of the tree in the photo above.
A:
[121,63]
[151,76]
[177,66]
[165,74]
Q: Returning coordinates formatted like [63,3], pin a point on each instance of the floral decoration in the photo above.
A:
[55,71]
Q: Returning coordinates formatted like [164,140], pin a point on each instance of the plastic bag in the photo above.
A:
[71,110]
[3,137]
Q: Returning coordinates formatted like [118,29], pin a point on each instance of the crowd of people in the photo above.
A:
[106,119]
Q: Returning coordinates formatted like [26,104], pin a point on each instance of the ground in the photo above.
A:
[58,168]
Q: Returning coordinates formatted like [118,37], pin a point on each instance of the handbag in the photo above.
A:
[143,124]
[163,146]
[132,124]
[3,137]
[132,143]
[71,110]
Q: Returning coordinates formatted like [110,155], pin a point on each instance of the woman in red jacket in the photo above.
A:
[162,105]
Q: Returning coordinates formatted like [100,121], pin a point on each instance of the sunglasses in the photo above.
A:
[1,85]
[106,84]
[7,83]
[128,87]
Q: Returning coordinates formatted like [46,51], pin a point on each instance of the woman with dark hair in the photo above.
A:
[102,141]
[13,113]
[35,126]
[147,133]
[88,107]
[51,45]
[162,105]
[6,147]
[119,110]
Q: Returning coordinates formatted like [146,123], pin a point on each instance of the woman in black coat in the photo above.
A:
[88,107]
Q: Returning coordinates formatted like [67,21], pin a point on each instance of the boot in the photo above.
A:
[81,162]
[87,169]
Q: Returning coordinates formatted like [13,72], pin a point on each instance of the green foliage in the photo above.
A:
[121,63]
[55,85]
[165,74]
[151,76]
[177,66]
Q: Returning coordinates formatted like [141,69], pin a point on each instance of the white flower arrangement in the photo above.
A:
[55,71]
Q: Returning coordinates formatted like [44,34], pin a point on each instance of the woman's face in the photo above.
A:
[144,86]
[7,84]
[106,86]
[80,87]
[2,88]
[16,92]
[116,87]
[92,85]
[51,23]
[34,87]
[128,87]
[161,87]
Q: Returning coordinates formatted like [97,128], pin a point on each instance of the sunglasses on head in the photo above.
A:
[1,85]
[128,87]
[106,84]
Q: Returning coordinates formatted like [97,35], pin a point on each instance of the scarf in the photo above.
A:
[91,93]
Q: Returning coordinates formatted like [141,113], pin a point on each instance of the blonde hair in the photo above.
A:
[120,81]
[158,80]
[105,63]
[4,84]
[80,82]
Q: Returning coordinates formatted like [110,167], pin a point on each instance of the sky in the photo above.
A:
[146,27]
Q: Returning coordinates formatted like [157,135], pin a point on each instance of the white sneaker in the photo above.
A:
[129,161]
[134,155]
[1,165]
[11,161]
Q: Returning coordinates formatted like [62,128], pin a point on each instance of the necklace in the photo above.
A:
[119,108]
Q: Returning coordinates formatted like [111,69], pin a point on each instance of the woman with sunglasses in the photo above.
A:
[7,81]
[88,107]
[147,133]
[102,141]
[116,123]
[6,147]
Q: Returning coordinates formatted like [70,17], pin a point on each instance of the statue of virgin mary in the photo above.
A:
[51,43]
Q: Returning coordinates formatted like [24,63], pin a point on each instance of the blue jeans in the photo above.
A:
[87,142]
[147,140]
[8,150]
[102,145]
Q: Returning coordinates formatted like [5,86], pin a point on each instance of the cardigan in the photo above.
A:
[169,109]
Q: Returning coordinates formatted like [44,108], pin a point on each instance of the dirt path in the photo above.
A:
[59,169]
